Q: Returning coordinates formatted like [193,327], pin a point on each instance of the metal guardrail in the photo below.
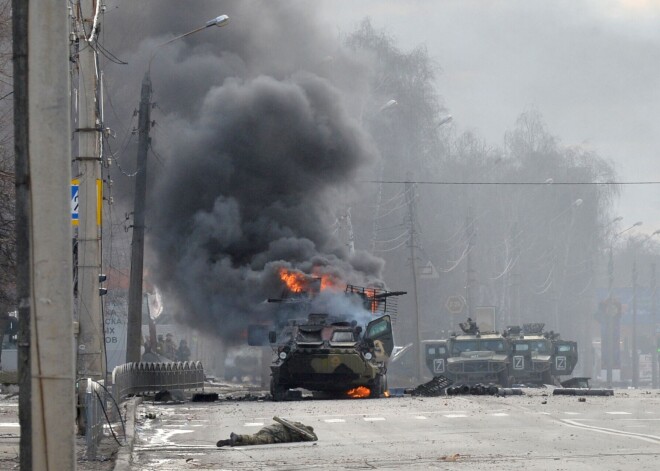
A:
[131,378]
[96,400]
[127,380]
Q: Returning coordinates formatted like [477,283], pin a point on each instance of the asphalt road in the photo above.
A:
[537,431]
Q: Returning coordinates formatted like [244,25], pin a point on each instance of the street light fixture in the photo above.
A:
[633,343]
[134,323]
[610,310]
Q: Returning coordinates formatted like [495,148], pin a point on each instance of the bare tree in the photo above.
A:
[7,195]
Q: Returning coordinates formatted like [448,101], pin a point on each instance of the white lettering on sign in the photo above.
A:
[518,362]
[439,365]
[560,363]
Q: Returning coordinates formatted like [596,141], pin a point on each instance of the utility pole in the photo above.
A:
[346,234]
[469,271]
[43,228]
[134,323]
[654,308]
[91,338]
[134,326]
[609,313]
[635,356]
[516,302]
[411,197]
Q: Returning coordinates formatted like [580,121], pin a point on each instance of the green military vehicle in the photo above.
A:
[531,355]
[539,357]
[332,354]
[471,357]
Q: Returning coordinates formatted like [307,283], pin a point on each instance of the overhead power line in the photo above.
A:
[431,182]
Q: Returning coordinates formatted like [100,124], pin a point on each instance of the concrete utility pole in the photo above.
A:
[469,271]
[654,308]
[91,338]
[633,343]
[134,325]
[43,228]
[515,276]
[411,197]
[609,313]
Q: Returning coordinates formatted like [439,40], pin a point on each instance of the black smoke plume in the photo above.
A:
[262,149]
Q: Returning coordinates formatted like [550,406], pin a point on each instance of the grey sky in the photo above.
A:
[591,67]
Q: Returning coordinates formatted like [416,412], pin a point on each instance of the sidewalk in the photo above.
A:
[10,435]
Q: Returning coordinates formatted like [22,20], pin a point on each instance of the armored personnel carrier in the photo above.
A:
[471,357]
[335,353]
[330,355]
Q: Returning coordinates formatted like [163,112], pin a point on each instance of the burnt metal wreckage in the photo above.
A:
[524,355]
[332,354]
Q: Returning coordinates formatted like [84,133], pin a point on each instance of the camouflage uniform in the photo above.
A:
[275,433]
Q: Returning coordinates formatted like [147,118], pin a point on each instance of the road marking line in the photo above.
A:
[9,424]
[545,413]
[334,421]
[619,413]
[500,414]
[373,419]
[451,416]
[420,417]
[253,424]
[647,438]
[572,413]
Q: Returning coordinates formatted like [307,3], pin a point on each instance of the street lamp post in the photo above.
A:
[610,309]
[654,307]
[134,323]
[633,343]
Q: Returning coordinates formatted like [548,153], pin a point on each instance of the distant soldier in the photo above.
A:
[183,352]
[283,432]
[169,348]
[160,345]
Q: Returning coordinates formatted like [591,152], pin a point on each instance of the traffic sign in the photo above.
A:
[428,272]
[75,205]
[455,304]
[75,191]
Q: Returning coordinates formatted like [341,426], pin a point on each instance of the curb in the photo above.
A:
[124,455]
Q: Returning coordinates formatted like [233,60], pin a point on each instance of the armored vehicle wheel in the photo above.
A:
[505,380]
[379,387]
[278,391]
[546,378]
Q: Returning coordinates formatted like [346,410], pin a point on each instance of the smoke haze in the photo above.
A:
[262,147]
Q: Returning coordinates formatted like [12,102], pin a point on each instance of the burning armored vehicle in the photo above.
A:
[333,352]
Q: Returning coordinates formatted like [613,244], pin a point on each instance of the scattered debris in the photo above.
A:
[582,392]
[582,399]
[205,397]
[150,415]
[544,402]
[247,397]
[576,382]
[450,458]
[435,387]
[483,389]
[169,397]
[510,392]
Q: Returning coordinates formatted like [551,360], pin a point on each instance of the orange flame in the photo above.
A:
[359,392]
[296,282]
[386,394]
[330,282]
